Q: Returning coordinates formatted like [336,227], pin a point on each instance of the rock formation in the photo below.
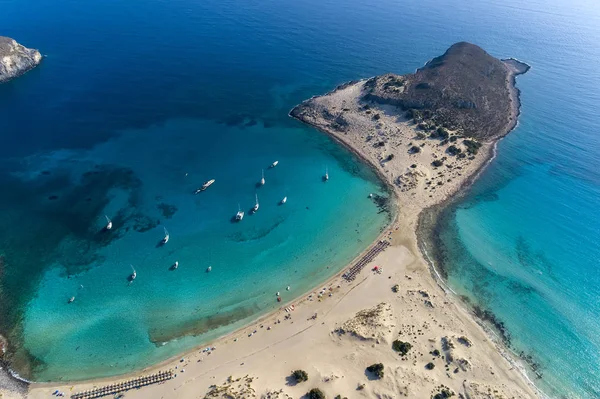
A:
[16,59]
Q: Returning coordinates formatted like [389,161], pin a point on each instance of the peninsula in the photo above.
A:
[16,59]
[389,331]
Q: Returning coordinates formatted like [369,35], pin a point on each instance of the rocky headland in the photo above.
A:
[426,133]
[16,59]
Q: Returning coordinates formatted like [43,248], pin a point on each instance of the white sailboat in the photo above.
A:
[274,164]
[326,177]
[284,200]
[208,269]
[109,223]
[262,180]
[175,265]
[166,237]
[71,299]
[240,214]
[255,208]
[133,275]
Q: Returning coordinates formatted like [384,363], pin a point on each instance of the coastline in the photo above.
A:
[403,231]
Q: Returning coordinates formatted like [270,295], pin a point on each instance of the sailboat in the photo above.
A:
[71,299]
[166,238]
[133,275]
[108,224]
[274,164]
[255,207]
[284,200]
[175,265]
[326,177]
[240,214]
[262,180]
[208,269]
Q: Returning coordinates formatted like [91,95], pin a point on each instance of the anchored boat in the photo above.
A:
[133,275]
[240,214]
[206,185]
[166,237]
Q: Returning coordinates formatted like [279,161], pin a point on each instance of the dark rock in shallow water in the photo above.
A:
[16,59]
[167,210]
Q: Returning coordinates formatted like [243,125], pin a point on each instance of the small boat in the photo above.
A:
[71,299]
[284,200]
[108,224]
[175,265]
[255,207]
[326,177]
[208,269]
[288,288]
[240,214]
[274,164]
[166,237]
[262,180]
[206,185]
[133,275]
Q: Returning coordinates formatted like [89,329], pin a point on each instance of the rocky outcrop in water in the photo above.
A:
[16,59]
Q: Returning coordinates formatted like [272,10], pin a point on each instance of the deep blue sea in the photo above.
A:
[138,102]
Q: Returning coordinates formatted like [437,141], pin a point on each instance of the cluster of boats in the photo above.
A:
[238,217]
[240,214]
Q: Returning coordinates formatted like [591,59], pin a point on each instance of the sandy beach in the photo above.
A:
[338,329]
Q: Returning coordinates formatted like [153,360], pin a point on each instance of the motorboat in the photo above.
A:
[284,200]
[274,164]
[262,180]
[206,185]
[255,207]
[108,223]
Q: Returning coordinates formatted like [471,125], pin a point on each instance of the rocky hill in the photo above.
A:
[16,59]
[465,90]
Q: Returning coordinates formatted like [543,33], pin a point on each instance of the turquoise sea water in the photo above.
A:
[134,95]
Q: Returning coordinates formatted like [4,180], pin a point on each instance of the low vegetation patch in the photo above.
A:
[401,347]
[376,369]
[316,393]
[300,375]
[443,394]
[472,146]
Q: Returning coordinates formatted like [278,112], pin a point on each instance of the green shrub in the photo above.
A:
[401,347]
[315,393]
[430,366]
[376,369]
[437,163]
[472,146]
[454,150]
[414,149]
[300,375]
[444,394]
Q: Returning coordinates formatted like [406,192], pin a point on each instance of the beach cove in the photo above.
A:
[408,292]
